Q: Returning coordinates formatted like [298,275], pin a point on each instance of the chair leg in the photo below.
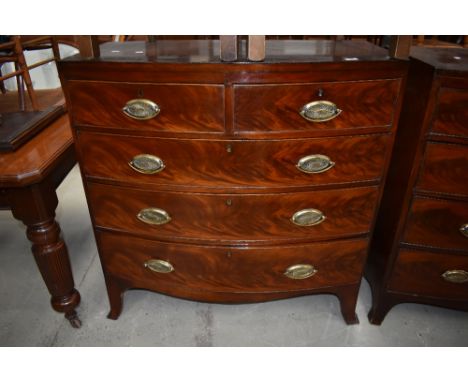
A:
[2,84]
[20,86]
[28,82]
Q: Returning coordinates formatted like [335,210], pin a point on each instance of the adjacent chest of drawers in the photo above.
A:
[234,182]
[419,252]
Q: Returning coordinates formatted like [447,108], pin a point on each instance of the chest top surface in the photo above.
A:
[207,51]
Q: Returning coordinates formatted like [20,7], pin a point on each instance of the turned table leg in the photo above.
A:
[35,206]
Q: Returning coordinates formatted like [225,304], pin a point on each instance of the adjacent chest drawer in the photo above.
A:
[430,274]
[219,163]
[162,107]
[313,215]
[317,106]
[445,169]
[438,223]
[172,267]
[451,115]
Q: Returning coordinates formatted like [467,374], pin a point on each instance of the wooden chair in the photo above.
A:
[13,51]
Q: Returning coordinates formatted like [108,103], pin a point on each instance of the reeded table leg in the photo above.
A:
[35,207]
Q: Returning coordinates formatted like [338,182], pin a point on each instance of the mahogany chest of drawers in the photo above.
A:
[419,252]
[234,182]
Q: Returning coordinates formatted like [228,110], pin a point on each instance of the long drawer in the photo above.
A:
[277,108]
[172,267]
[315,215]
[246,164]
[438,223]
[430,274]
[445,169]
[451,116]
[180,107]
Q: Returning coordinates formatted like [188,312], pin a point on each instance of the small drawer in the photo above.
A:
[430,274]
[317,106]
[445,169]
[438,223]
[451,115]
[247,164]
[162,107]
[172,268]
[315,215]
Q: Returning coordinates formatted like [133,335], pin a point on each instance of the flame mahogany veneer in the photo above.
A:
[230,137]
[418,252]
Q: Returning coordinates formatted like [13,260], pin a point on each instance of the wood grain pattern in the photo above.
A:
[436,223]
[184,108]
[244,165]
[420,273]
[34,160]
[230,177]
[451,117]
[28,181]
[445,169]
[261,217]
[275,108]
[239,270]
[424,201]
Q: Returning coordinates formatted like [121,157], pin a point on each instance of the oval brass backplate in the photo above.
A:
[147,164]
[464,229]
[141,109]
[300,271]
[308,217]
[315,164]
[319,111]
[155,216]
[159,266]
[457,276]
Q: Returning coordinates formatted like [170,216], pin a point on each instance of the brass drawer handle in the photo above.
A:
[308,217]
[159,266]
[319,111]
[457,276]
[141,109]
[147,164]
[464,229]
[315,164]
[154,216]
[300,271]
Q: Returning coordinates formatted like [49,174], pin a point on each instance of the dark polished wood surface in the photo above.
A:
[204,51]
[240,164]
[436,223]
[452,111]
[444,169]
[225,269]
[184,108]
[29,177]
[446,61]
[273,108]
[232,217]
[420,273]
[417,236]
[230,150]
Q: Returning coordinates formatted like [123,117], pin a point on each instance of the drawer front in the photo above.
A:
[182,108]
[246,164]
[445,169]
[173,267]
[438,223]
[276,108]
[232,216]
[430,274]
[451,115]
